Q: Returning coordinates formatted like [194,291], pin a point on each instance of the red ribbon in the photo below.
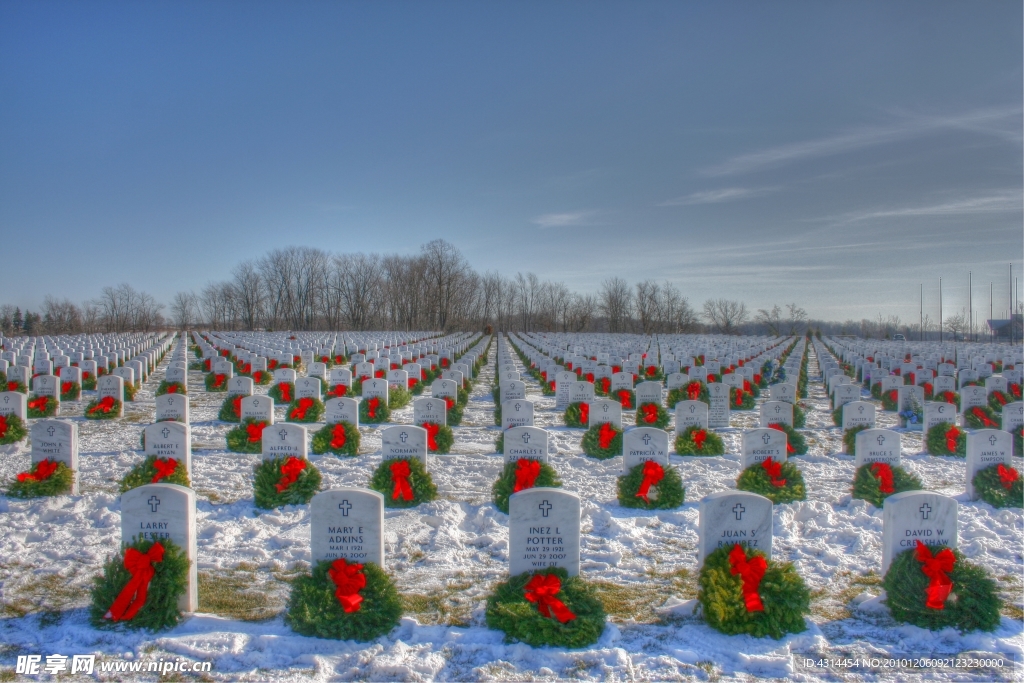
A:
[739,397]
[44,468]
[3,426]
[1000,397]
[527,472]
[605,435]
[449,402]
[757,378]
[65,387]
[789,447]
[290,471]
[164,468]
[12,386]
[985,419]
[894,395]
[883,472]
[39,404]
[693,391]
[372,405]
[699,437]
[542,590]
[948,397]
[286,392]
[339,390]
[172,388]
[936,567]
[133,596]
[653,473]
[1007,475]
[928,388]
[650,413]
[590,377]
[400,475]
[605,384]
[750,571]
[236,406]
[774,471]
[106,404]
[338,436]
[952,434]
[1015,390]
[255,431]
[585,413]
[624,398]
[651,371]
[348,580]
[218,381]
[299,413]
[432,429]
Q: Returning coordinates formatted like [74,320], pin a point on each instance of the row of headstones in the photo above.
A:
[544,525]
[44,355]
[284,348]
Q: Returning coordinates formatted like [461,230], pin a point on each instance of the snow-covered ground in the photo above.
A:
[446,555]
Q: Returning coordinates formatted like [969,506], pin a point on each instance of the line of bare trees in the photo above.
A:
[305,288]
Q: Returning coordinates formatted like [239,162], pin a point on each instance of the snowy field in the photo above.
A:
[446,555]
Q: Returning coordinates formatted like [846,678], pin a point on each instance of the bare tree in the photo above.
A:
[724,315]
[796,317]
[615,301]
[249,293]
[957,323]
[771,319]
[648,305]
[61,316]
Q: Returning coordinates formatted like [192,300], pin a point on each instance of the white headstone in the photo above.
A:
[760,444]
[641,444]
[985,448]
[913,516]
[347,523]
[56,441]
[877,445]
[544,531]
[604,410]
[426,410]
[718,411]
[285,440]
[857,413]
[776,412]
[342,410]
[690,414]
[172,407]
[731,517]
[404,442]
[170,440]
[516,413]
[525,442]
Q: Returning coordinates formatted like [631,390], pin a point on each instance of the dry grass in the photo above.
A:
[638,601]
[448,605]
[34,591]
[832,602]
[1012,587]
[239,594]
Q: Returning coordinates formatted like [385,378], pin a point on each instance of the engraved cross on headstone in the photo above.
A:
[766,438]
[992,440]
[166,432]
[646,439]
[344,506]
[526,437]
[738,509]
[50,430]
[403,436]
[154,503]
[881,439]
[926,510]
[283,434]
[517,407]
[545,508]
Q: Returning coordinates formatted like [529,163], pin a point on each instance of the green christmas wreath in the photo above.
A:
[576,415]
[262,377]
[12,429]
[282,392]
[850,438]
[602,441]
[778,482]
[339,438]
[305,409]
[651,415]
[796,444]
[70,391]
[694,390]
[696,440]
[44,478]
[150,472]
[528,476]
[106,408]
[216,382]
[285,481]
[88,382]
[744,592]
[625,397]
[15,385]
[398,397]
[403,487]
[740,400]
[540,622]
[1018,441]
[231,409]
[115,588]
[247,437]
[651,486]
[316,610]
[42,406]
[972,603]
[981,417]
[440,438]
[876,481]
[373,411]
[164,388]
[890,400]
[945,438]
[799,417]
[1000,486]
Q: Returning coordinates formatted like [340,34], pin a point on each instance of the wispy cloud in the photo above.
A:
[726,194]
[1002,122]
[1003,201]
[562,220]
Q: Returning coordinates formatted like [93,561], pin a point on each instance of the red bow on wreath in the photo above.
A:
[290,471]
[172,389]
[299,413]
[286,392]
[936,567]
[693,390]
[542,589]
[584,413]
[348,580]
[985,419]
[218,381]
[1007,475]
[371,407]
[432,429]
[65,387]
[338,390]
[1000,397]
[883,472]
[952,435]
[699,437]
[774,471]
[39,404]
[400,475]
[236,406]
[948,397]
[605,435]
[653,473]
[164,468]
[449,402]
[750,571]
[650,413]
[3,426]
[624,398]
[133,596]
[106,404]
[527,472]
[44,468]
[739,397]
[255,431]
[338,436]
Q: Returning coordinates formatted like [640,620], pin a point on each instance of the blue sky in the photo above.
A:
[834,154]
